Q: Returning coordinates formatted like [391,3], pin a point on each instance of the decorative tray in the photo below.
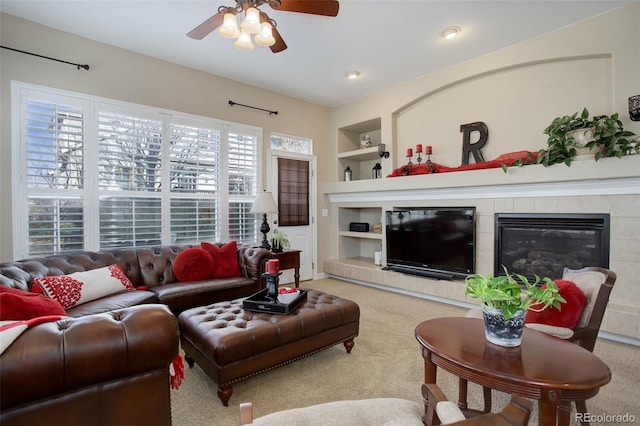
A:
[260,302]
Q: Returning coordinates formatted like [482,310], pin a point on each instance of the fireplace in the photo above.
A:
[544,244]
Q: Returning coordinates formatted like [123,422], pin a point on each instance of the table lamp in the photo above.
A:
[264,204]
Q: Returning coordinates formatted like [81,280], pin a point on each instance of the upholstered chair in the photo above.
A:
[442,411]
[390,412]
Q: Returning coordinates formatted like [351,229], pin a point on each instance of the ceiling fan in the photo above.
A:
[258,22]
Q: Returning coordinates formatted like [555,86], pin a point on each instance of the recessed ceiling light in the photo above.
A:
[451,32]
[353,75]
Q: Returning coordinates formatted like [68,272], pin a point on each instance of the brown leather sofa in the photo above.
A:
[148,267]
[108,363]
[106,369]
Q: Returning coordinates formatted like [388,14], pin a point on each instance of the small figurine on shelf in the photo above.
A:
[365,142]
[348,174]
[376,171]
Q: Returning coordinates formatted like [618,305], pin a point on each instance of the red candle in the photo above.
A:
[409,152]
[419,148]
[273,266]
[427,150]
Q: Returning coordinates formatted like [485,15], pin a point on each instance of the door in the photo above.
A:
[292,182]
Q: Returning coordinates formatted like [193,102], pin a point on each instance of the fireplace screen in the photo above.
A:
[544,244]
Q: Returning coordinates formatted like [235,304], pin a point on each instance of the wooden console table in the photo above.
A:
[555,372]
[290,259]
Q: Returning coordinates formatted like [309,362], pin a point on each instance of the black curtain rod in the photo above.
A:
[85,66]
[252,107]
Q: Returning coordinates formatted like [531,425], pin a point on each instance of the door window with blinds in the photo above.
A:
[98,174]
[293,192]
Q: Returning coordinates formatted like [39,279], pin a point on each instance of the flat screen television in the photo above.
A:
[436,242]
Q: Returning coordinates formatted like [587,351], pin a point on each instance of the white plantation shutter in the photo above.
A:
[195,159]
[194,220]
[129,161]
[195,169]
[129,153]
[53,144]
[98,174]
[243,225]
[243,183]
[127,222]
[55,225]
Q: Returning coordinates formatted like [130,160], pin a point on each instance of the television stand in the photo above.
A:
[439,275]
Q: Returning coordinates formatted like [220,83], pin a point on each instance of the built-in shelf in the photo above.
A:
[350,152]
[362,154]
[359,244]
[368,235]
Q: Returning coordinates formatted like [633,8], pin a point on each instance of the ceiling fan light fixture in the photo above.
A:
[256,24]
[229,28]
[251,22]
[244,42]
[265,36]
[451,32]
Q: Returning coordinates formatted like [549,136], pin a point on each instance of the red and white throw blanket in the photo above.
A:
[11,330]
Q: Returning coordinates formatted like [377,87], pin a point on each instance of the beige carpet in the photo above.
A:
[385,362]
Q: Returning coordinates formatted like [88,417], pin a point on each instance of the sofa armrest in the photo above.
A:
[59,357]
[254,262]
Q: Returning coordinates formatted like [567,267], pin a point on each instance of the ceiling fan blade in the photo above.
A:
[279,45]
[314,7]
[207,27]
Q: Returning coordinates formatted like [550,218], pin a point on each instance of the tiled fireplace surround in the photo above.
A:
[608,186]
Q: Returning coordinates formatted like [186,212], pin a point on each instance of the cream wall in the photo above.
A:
[610,41]
[124,75]
[516,91]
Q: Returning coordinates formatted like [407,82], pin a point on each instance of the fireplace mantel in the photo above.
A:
[583,177]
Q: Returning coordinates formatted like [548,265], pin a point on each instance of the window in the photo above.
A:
[102,174]
[291,144]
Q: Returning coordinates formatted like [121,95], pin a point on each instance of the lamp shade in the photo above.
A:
[265,36]
[251,22]
[229,28]
[264,203]
[244,42]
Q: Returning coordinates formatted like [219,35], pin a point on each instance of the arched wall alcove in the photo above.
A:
[515,102]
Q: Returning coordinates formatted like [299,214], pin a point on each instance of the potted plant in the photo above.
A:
[505,303]
[279,241]
[610,138]
[603,135]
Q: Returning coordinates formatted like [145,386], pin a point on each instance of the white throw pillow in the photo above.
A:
[81,287]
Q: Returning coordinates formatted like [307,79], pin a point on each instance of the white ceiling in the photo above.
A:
[388,41]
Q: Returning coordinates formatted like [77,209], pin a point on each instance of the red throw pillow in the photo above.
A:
[570,312]
[225,259]
[193,264]
[23,305]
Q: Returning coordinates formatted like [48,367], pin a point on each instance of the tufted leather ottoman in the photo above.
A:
[231,344]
